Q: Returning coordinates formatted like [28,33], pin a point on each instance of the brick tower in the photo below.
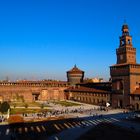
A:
[126,73]
[75,75]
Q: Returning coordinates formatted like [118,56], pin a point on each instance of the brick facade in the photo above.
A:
[32,91]
[126,73]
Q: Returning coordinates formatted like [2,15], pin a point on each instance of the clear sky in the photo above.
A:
[42,39]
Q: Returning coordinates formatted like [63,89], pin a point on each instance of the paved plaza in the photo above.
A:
[71,127]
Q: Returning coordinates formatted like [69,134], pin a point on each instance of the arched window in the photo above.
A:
[129,41]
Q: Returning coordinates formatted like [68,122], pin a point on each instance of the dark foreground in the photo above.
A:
[107,127]
[37,130]
[108,131]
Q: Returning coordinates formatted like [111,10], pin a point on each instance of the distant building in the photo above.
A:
[93,80]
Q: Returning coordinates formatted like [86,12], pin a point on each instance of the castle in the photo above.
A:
[126,73]
[122,90]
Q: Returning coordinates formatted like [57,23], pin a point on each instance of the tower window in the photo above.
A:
[129,42]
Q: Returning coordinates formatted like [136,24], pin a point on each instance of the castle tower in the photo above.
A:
[75,75]
[126,73]
[126,53]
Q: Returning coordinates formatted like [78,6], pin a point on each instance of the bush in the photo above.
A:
[15,119]
[4,107]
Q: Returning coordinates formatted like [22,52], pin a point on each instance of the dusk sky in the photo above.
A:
[42,39]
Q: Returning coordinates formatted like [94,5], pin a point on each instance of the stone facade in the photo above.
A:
[32,91]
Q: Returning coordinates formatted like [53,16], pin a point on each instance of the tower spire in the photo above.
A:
[125,30]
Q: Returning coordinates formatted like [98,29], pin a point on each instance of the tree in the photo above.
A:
[4,107]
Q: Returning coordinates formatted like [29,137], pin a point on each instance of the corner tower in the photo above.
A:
[75,75]
[125,73]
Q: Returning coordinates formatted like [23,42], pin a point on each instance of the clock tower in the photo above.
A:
[125,74]
[126,53]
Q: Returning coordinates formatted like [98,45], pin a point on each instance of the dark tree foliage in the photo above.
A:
[4,107]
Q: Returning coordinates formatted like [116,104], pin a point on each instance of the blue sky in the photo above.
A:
[42,39]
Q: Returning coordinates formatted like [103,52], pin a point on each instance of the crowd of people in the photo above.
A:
[59,110]
[64,112]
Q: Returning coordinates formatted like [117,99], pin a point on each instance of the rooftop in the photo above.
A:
[75,69]
[86,89]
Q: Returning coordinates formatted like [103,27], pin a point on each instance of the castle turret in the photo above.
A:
[75,75]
